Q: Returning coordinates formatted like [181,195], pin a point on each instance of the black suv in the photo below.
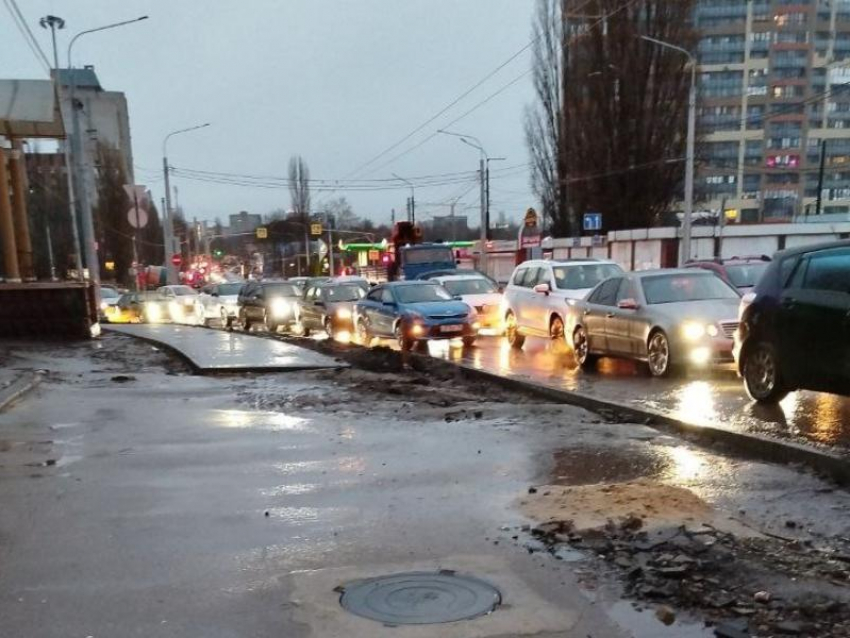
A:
[271,303]
[795,325]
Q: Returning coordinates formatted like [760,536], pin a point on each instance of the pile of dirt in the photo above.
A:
[659,541]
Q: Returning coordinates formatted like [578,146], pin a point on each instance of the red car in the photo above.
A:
[741,272]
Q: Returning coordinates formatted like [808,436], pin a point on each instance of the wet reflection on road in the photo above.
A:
[702,397]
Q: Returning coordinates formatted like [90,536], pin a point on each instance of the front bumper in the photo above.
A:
[705,353]
[430,331]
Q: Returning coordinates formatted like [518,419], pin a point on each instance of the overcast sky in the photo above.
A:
[336,81]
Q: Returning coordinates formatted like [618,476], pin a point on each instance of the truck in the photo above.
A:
[412,258]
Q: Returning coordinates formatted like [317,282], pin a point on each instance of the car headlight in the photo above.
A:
[343,313]
[712,330]
[280,307]
[104,305]
[188,301]
[153,312]
[693,331]
[175,308]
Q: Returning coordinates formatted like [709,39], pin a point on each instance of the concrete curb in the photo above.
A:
[209,372]
[19,388]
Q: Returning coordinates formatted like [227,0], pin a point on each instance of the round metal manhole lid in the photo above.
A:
[420,598]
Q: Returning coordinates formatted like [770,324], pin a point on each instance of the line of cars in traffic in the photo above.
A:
[781,323]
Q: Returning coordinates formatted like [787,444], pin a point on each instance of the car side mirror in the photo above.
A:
[543,289]
[627,304]
[457,297]
[213,294]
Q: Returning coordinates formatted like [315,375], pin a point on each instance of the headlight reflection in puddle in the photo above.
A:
[270,421]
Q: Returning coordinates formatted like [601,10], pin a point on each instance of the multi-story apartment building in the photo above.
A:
[774,94]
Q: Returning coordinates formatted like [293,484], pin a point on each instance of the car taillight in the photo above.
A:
[746,300]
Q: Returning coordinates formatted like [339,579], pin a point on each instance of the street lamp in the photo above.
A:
[411,212]
[90,247]
[168,230]
[484,164]
[689,159]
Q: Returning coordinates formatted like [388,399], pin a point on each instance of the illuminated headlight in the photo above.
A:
[700,356]
[104,305]
[417,330]
[280,307]
[175,309]
[343,313]
[476,325]
[188,301]
[153,312]
[693,331]
[712,330]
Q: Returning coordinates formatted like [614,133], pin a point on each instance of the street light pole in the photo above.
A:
[412,216]
[89,243]
[689,154]
[168,226]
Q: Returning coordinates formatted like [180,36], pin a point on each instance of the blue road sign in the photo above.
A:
[592,221]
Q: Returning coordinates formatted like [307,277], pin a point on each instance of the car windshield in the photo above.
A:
[575,277]
[281,290]
[685,287]
[349,292]
[229,289]
[182,291]
[746,275]
[422,293]
[431,255]
[477,286]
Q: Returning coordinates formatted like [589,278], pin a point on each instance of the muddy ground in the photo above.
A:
[660,536]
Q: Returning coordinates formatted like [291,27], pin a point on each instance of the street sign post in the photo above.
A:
[138,217]
[316,229]
[262,232]
[592,221]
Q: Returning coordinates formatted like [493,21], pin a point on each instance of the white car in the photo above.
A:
[480,293]
[218,302]
[180,301]
[538,294]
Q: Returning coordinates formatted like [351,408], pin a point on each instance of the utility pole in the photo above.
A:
[328,222]
[482,175]
[411,201]
[820,176]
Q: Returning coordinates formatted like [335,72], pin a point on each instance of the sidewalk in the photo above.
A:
[214,351]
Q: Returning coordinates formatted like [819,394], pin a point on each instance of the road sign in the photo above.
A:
[176,259]
[592,221]
[138,217]
[316,229]
[262,232]
[138,195]
[374,255]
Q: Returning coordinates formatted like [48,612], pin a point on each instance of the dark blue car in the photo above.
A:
[412,311]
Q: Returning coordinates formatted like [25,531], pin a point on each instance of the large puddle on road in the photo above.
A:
[587,466]
[642,623]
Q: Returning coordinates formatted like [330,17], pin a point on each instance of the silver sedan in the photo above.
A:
[666,318]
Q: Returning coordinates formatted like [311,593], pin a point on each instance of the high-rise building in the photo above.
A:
[774,83]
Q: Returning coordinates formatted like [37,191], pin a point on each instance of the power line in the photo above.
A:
[23,27]
[601,19]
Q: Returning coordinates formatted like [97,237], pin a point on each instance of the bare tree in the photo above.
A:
[342,212]
[299,192]
[620,138]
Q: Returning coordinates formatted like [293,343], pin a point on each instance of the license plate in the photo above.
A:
[451,328]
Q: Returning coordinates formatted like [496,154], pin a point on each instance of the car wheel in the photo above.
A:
[581,349]
[405,343]
[658,358]
[363,333]
[271,324]
[512,332]
[762,379]
[556,329]
[244,322]
[469,341]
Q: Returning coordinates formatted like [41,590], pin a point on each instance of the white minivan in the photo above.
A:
[537,295]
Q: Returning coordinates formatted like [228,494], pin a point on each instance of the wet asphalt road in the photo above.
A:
[710,397]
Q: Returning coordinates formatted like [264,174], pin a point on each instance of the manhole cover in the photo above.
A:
[420,598]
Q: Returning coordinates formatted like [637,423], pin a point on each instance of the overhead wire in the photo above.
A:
[26,32]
